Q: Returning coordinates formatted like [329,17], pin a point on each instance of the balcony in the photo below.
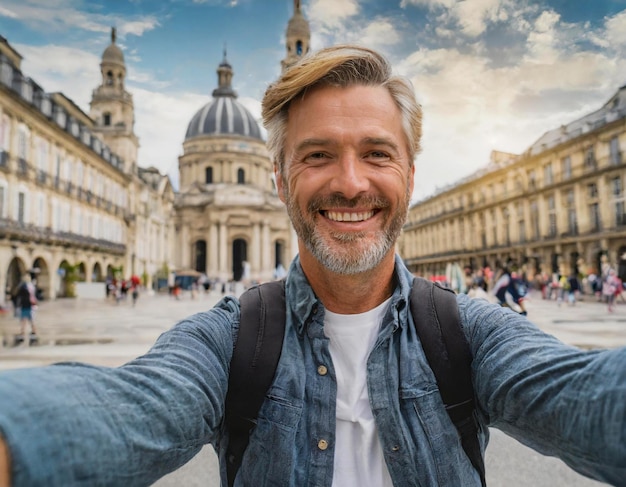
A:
[13,230]
[22,167]
[42,176]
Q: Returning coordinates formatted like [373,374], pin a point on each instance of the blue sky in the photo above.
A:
[490,74]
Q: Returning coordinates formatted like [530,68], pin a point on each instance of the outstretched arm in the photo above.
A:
[5,464]
[555,398]
[130,425]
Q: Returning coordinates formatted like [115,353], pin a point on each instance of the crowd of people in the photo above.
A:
[510,287]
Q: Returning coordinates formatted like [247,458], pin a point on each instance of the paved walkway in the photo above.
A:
[106,333]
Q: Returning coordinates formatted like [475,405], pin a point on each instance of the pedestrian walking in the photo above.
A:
[26,302]
[610,289]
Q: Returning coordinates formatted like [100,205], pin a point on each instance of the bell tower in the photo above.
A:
[298,37]
[112,108]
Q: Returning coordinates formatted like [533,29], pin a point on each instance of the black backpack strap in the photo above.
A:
[438,324]
[252,367]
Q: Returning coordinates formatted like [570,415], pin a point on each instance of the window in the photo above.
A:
[208,175]
[594,217]
[571,212]
[109,78]
[22,143]
[618,201]
[532,180]
[590,158]
[107,119]
[551,217]
[2,200]
[507,228]
[520,222]
[534,217]
[616,155]
[42,155]
[5,133]
[241,176]
[592,190]
[547,174]
[566,168]
[299,48]
[21,207]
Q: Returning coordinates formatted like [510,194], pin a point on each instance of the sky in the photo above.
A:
[489,74]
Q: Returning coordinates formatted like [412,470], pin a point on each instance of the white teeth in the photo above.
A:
[349,217]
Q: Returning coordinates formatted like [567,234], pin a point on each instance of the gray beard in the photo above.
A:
[345,258]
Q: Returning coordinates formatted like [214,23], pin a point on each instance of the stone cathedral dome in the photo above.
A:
[224,115]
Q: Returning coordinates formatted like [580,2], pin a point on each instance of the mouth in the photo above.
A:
[348,216]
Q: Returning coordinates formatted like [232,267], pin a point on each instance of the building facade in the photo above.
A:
[558,207]
[230,222]
[70,191]
[74,205]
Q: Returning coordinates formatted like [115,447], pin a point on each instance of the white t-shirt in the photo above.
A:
[359,458]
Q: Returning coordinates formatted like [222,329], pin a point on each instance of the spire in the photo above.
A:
[224,78]
[298,37]
[113,35]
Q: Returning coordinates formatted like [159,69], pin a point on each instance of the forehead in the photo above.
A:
[337,111]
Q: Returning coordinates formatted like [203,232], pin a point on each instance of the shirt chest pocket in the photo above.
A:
[438,447]
[266,462]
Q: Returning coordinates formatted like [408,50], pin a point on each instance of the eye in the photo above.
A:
[378,156]
[316,157]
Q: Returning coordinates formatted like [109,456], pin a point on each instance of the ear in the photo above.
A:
[412,179]
[278,177]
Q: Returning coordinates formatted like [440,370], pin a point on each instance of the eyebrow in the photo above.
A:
[313,142]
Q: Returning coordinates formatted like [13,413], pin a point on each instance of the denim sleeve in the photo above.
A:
[554,398]
[75,424]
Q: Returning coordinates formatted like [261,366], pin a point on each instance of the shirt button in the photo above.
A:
[395,448]
[322,370]
[322,445]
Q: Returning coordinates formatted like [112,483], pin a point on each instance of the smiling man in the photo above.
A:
[353,400]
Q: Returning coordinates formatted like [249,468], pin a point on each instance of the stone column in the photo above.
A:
[223,251]
[255,250]
[213,251]
[266,244]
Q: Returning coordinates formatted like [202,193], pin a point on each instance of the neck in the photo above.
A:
[350,294]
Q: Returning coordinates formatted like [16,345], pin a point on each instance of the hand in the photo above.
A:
[5,464]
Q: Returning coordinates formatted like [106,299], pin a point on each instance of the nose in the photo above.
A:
[350,177]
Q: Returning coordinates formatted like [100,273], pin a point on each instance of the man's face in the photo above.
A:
[347,178]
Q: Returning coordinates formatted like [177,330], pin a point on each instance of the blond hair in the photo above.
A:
[340,66]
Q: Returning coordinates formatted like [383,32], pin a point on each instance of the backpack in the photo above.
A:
[260,340]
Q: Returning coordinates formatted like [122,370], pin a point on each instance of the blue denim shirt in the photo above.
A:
[73,424]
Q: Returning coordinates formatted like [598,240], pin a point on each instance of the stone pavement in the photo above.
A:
[105,333]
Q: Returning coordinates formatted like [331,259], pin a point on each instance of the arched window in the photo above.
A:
[208,175]
[107,119]
[241,176]
[299,48]
[109,78]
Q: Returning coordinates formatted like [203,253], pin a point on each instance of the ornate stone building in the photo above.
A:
[73,205]
[559,206]
[229,219]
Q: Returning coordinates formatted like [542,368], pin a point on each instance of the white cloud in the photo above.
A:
[331,13]
[428,3]
[5,12]
[161,123]
[542,42]
[61,15]
[74,71]
[616,29]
